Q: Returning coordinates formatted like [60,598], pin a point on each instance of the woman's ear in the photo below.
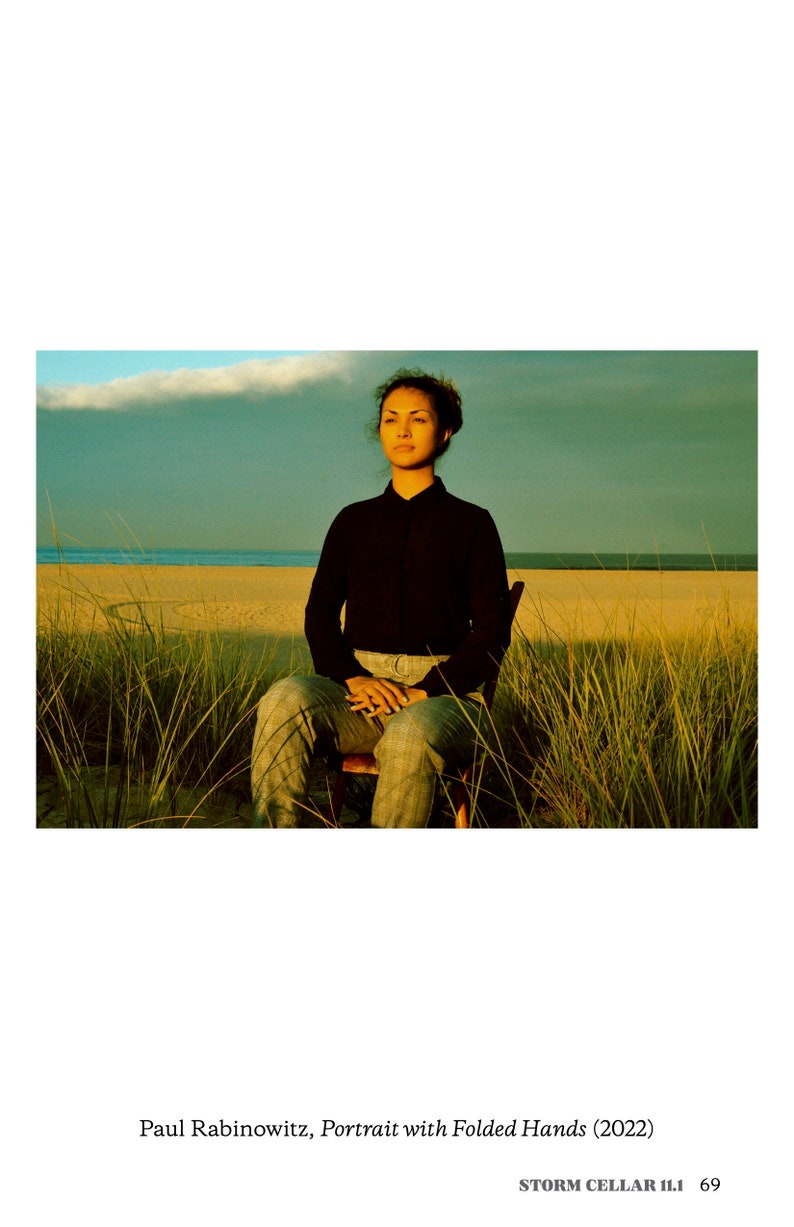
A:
[442,439]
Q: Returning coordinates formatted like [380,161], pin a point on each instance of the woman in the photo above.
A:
[422,577]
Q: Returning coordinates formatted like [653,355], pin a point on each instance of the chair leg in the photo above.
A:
[337,797]
[461,800]
[460,803]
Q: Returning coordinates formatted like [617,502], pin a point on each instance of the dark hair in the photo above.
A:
[442,392]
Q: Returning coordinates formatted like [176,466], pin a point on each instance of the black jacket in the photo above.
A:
[421,576]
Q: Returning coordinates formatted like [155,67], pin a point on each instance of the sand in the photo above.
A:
[267,603]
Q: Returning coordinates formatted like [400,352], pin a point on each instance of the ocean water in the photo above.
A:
[181,558]
[309,558]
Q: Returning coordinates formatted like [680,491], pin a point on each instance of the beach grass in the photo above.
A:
[640,730]
[139,725]
[144,726]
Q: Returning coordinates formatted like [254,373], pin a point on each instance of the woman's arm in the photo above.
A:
[322,622]
[489,605]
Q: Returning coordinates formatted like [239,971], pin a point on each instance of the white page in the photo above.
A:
[489,978]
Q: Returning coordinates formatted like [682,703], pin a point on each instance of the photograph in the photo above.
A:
[394,589]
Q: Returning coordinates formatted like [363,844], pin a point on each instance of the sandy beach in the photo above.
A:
[267,603]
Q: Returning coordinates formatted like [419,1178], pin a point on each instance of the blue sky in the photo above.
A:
[571,451]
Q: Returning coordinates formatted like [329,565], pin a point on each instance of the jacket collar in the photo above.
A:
[427,498]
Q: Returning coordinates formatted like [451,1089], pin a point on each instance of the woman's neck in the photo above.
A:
[410,482]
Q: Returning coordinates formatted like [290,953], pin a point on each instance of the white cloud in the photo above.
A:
[255,378]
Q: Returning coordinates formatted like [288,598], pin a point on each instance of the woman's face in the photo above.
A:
[409,431]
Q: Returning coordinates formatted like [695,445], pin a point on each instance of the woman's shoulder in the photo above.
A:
[465,507]
[362,506]
[355,513]
[464,502]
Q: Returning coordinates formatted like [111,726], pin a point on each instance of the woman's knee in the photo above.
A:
[406,742]
[434,731]
[291,694]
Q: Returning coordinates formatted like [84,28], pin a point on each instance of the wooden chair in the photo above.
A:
[365,764]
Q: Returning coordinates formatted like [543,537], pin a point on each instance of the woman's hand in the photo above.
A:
[377,696]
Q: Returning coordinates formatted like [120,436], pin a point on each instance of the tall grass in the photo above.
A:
[648,730]
[139,726]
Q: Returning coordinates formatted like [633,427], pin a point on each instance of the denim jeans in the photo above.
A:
[301,716]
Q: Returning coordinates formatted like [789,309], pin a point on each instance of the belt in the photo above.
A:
[398,667]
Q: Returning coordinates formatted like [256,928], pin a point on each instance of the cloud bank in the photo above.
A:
[254,379]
